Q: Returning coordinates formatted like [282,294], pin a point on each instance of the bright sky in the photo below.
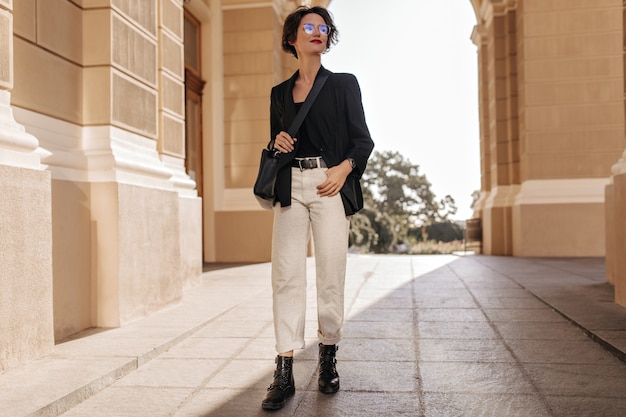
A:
[417,69]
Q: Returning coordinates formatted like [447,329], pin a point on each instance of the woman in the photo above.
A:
[317,190]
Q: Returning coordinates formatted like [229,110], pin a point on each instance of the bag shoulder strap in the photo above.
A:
[308,102]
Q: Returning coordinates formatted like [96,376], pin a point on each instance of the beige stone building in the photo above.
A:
[130,133]
[552,143]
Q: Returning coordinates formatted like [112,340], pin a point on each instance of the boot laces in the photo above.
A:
[281,381]
[281,378]
[328,360]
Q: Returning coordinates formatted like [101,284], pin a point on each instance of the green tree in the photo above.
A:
[398,199]
[446,231]
[372,231]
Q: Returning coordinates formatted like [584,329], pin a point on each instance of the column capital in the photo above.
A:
[488,9]
[479,35]
[620,166]
[503,6]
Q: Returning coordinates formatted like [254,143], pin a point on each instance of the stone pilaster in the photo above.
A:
[479,37]
[26,331]
[171,72]
[496,36]
[616,240]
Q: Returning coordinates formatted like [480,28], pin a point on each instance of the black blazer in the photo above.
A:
[335,123]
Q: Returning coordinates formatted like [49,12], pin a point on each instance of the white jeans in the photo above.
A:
[326,217]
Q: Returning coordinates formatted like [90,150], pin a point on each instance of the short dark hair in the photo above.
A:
[292,24]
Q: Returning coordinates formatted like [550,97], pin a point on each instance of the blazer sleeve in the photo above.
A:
[276,112]
[361,143]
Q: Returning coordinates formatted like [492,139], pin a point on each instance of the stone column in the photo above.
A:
[616,212]
[479,37]
[26,328]
[171,138]
[117,185]
[252,65]
[132,93]
[499,126]
[572,124]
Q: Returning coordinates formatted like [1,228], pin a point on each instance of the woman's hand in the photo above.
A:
[335,179]
[284,142]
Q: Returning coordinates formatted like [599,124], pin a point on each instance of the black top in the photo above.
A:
[306,149]
[335,126]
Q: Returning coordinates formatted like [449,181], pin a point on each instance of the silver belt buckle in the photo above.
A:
[309,162]
[316,161]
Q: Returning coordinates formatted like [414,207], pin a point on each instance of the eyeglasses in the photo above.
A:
[309,29]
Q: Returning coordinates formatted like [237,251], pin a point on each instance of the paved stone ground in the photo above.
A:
[431,336]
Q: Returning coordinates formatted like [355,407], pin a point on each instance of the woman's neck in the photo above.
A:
[308,68]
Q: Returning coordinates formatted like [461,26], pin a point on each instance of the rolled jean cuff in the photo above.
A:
[288,347]
[329,341]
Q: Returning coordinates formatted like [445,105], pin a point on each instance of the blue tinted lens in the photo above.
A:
[309,28]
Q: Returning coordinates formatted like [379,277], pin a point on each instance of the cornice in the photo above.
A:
[479,35]
[501,7]
[491,8]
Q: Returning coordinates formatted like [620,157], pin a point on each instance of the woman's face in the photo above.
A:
[311,43]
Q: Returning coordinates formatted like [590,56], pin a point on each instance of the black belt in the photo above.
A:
[308,163]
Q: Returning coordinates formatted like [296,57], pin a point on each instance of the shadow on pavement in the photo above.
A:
[446,336]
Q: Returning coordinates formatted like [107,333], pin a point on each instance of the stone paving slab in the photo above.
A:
[428,336]
[479,405]
[576,288]
[52,385]
[84,365]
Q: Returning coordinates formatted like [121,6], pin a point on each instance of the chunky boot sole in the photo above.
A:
[283,386]
[329,390]
[278,406]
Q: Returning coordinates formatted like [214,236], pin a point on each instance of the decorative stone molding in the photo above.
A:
[124,157]
[184,185]
[250,5]
[17,147]
[479,35]
[98,153]
[6,49]
[281,7]
[503,6]
[502,196]
[485,10]
[562,191]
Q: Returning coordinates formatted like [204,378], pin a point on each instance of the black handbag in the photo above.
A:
[265,184]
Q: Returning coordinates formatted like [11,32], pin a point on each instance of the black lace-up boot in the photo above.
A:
[328,380]
[283,386]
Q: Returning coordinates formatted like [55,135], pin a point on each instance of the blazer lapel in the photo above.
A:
[289,113]
[290,107]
